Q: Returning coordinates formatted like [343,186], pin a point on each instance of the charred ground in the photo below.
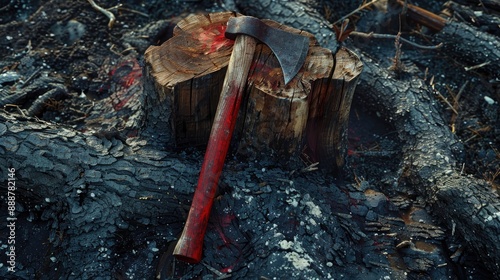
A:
[266,222]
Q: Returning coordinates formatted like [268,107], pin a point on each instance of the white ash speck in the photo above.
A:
[292,201]
[237,195]
[489,100]
[314,209]
[299,262]
[285,245]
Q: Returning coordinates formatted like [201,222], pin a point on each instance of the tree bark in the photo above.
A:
[89,189]
[102,198]
[430,161]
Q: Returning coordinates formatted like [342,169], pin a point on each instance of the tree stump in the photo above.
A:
[310,111]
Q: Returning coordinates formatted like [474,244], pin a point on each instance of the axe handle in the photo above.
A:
[190,244]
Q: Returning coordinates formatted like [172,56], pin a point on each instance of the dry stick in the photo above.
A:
[105,12]
[477,66]
[457,97]
[422,16]
[30,78]
[431,83]
[389,36]
[446,101]
[120,7]
[362,7]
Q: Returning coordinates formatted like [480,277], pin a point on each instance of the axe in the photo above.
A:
[291,51]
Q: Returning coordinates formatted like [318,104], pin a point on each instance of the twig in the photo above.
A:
[457,97]
[219,274]
[113,46]
[397,66]
[120,7]
[447,102]
[18,109]
[442,97]
[470,138]
[393,37]
[107,13]
[311,167]
[477,66]
[364,6]
[28,80]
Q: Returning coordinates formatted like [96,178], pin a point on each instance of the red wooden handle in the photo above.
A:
[190,244]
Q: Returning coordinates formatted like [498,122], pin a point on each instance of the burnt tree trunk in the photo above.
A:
[89,190]
[101,200]
[430,162]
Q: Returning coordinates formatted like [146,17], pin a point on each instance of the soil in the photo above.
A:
[55,44]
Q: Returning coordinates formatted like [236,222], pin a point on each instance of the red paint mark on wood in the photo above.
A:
[212,38]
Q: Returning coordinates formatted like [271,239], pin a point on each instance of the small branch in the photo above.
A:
[460,91]
[362,7]
[30,78]
[120,7]
[442,97]
[477,66]
[393,37]
[107,13]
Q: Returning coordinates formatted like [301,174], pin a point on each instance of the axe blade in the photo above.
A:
[290,49]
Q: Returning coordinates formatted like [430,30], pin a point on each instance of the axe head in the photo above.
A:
[290,49]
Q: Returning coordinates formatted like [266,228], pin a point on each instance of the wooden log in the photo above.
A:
[274,116]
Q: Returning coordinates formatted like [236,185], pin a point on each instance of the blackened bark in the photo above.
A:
[90,190]
[431,150]
[471,46]
[104,199]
